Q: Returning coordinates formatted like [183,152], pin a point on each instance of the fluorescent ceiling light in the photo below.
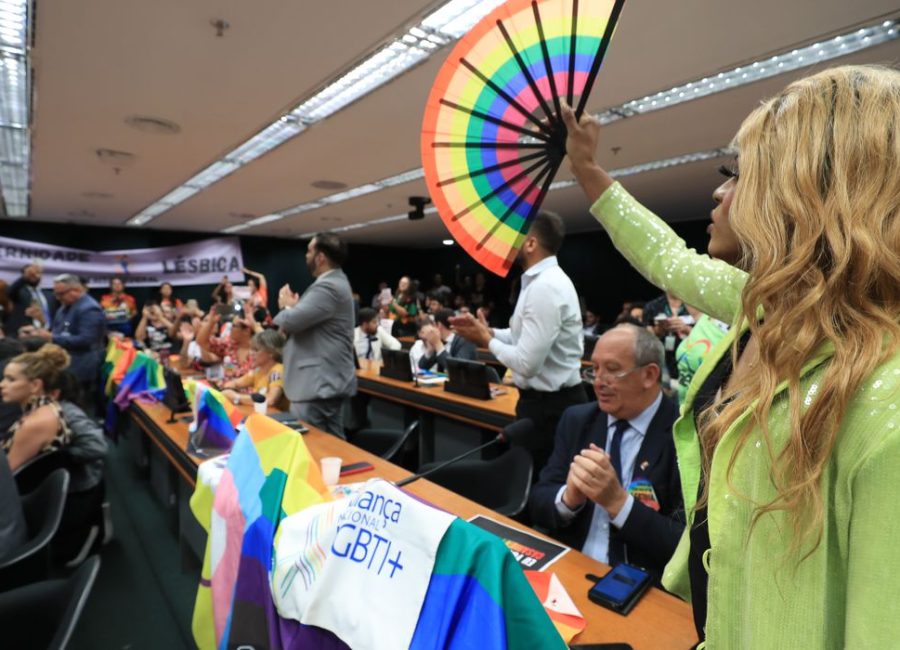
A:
[367,224]
[455,18]
[816,53]
[338,197]
[404,52]
[15,136]
[831,48]
[665,163]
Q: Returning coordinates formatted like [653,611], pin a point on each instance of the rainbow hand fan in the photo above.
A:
[493,138]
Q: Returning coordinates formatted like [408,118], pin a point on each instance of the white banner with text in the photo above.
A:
[201,262]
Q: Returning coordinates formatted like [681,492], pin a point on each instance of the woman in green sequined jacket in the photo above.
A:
[794,463]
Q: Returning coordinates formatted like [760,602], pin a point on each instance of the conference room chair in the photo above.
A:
[45,614]
[32,473]
[43,509]
[501,484]
[87,512]
[398,446]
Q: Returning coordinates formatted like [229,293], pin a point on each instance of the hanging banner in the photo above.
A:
[201,262]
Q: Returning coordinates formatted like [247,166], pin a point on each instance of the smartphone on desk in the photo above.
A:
[621,588]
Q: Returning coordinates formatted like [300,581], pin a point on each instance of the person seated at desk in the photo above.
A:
[369,338]
[267,378]
[232,349]
[442,343]
[27,381]
[154,330]
[622,439]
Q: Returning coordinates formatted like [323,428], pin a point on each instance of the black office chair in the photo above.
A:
[43,510]
[394,445]
[501,484]
[32,473]
[44,614]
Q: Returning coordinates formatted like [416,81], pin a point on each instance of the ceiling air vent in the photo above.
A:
[155,125]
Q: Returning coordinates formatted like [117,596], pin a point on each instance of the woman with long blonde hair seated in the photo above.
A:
[789,443]
[28,380]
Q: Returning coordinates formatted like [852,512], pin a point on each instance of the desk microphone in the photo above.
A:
[521,433]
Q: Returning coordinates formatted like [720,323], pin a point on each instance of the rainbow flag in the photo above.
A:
[478,597]
[120,352]
[144,374]
[215,419]
[268,475]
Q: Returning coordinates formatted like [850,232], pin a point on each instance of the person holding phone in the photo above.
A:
[789,440]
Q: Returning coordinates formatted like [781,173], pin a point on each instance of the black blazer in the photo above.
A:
[648,538]
[459,348]
[19,293]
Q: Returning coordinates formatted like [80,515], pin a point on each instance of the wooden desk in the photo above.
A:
[659,620]
[492,414]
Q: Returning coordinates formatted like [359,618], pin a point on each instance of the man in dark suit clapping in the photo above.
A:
[611,487]
[442,343]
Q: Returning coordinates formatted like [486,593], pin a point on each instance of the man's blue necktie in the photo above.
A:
[615,446]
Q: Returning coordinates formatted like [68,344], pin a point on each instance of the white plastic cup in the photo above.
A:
[331,469]
[260,407]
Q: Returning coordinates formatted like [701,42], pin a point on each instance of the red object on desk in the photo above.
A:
[356,468]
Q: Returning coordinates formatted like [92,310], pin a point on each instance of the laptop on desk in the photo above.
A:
[396,365]
[469,378]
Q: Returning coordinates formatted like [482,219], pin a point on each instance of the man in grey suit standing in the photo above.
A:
[318,357]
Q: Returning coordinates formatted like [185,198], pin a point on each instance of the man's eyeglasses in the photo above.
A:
[60,294]
[590,375]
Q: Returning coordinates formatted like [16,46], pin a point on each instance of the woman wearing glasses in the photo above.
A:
[789,457]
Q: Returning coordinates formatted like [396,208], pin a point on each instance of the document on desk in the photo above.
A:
[532,552]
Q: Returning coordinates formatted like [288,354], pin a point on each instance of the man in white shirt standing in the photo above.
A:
[544,344]
[369,338]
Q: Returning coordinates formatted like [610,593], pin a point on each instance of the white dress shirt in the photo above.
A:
[544,342]
[596,544]
[381,341]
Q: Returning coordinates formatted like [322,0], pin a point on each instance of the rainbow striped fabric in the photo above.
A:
[120,352]
[240,500]
[215,419]
[478,597]
[143,374]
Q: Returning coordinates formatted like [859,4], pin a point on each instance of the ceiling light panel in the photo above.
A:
[15,138]
[828,49]
[406,51]
[816,53]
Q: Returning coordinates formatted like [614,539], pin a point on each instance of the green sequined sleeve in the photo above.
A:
[660,255]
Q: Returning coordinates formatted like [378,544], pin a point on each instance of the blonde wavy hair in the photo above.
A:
[816,213]
[46,363]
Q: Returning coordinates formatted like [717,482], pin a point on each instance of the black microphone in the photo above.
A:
[259,398]
[521,433]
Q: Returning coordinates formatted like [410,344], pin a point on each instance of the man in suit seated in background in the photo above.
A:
[611,487]
[370,338]
[442,343]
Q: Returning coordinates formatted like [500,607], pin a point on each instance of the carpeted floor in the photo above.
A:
[141,598]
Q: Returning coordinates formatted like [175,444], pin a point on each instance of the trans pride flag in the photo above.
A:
[215,419]
[475,594]
[240,501]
